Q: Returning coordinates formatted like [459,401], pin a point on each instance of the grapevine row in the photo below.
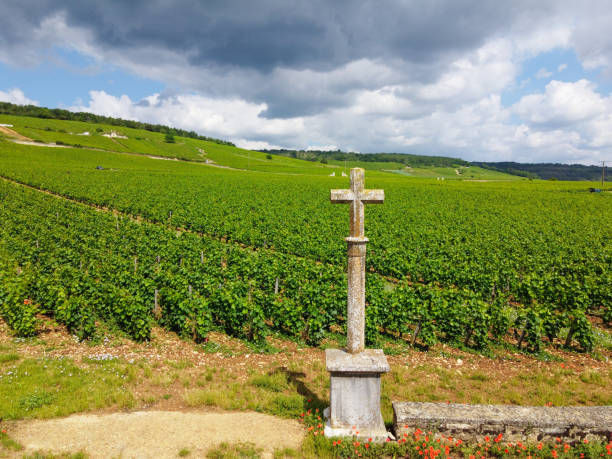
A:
[82,266]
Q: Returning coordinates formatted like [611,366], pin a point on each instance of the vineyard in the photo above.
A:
[196,248]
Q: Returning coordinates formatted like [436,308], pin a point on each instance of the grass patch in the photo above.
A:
[478,376]
[271,393]
[10,357]
[103,359]
[44,388]
[180,364]
[184,452]
[276,382]
[235,451]
[284,453]
[8,443]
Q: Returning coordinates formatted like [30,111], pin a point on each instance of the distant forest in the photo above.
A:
[59,114]
[408,160]
[546,171]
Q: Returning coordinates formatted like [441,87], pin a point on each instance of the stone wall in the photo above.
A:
[516,423]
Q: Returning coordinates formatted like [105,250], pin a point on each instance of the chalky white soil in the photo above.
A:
[155,434]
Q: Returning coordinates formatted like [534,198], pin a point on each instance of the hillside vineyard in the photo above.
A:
[257,252]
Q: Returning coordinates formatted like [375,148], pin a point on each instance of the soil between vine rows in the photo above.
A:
[166,352]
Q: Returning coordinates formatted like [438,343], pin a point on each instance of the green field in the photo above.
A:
[143,142]
[460,261]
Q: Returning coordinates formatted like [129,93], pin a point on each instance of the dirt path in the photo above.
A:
[38,144]
[155,434]
[14,134]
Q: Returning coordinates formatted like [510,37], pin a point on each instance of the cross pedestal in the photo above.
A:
[355,372]
[355,394]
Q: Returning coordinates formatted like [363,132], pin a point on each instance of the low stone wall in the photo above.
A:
[516,423]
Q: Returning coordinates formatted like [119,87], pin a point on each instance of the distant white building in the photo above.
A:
[6,125]
[333,174]
[114,135]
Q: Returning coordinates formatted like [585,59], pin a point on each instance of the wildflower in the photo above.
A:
[27,301]
[3,431]
[388,439]
[585,441]
[554,453]
[539,445]
[487,438]
[370,440]
[367,445]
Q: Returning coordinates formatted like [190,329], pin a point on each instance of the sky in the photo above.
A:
[487,80]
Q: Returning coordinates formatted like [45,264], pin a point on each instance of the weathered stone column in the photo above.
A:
[355,320]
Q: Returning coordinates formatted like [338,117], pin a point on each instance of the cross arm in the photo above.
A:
[372,196]
[341,196]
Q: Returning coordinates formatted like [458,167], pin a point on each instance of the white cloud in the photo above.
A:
[225,118]
[255,145]
[562,104]
[561,67]
[16,96]
[543,73]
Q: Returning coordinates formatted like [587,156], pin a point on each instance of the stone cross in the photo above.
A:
[356,196]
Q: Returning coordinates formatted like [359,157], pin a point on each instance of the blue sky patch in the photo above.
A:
[65,77]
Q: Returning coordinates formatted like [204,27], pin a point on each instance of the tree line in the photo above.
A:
[338,155]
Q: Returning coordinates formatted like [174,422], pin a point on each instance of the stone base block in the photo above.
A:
[515,423]
[355,393]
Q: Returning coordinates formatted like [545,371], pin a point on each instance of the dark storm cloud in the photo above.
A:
[253,49]
[268,34]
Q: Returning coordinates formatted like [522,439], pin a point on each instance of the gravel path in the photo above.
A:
[155,434]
